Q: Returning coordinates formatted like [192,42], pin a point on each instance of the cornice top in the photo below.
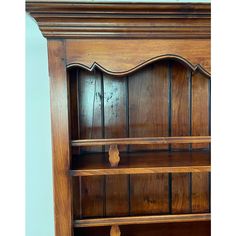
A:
[77,19]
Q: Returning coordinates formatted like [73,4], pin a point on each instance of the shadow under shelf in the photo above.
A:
[145,162]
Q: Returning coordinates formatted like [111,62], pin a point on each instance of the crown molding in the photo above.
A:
[74,19]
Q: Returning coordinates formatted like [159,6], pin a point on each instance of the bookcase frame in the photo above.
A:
[118,39]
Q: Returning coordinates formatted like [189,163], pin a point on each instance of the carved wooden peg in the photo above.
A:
[114,157]
[115,230]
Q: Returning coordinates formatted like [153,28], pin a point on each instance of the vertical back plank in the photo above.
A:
[73,108]
[90,102]
[92,196]
[148,116]
[117,188]
[74,134]
[180,113]
[148,100]
[181,193]
[200,107]
[200,126]
[180,126]
[60,138]
[200,192]
[149,194]
[77,210]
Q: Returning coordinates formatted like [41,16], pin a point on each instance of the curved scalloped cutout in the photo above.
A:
[154,59]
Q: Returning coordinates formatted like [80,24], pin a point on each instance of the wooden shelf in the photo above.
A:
[141,163]
[143,141]
[130,220]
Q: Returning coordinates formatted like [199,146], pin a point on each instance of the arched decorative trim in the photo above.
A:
[154,59]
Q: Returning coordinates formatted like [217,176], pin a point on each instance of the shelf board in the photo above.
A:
[141,163]
[142,141]
[130,220]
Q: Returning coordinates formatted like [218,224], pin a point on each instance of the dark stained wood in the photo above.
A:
[200,107]
[162,141]
[73,109]
[141,162]
[149,194]
[148,117]
[200,126]
[142,220]
[200,192]
[148,110]
[91,120]
[74,106]
[167,229]
[60,139]
[180,126]
[115,123]
[181,194]
[90,102]
[138,53]
[117,199]
[92,196]
[180,114]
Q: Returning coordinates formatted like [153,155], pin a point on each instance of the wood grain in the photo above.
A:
[162,141]
[180,126]
[138,53]
[92,196]
[180,114]
[75,19]
[117,195]
[200,192]
[90,102]
[200,126]
[149,194]
[90,99]
[148,98]
[115,126]
[142,220]
[62,185]
[200,107]
[181,194]
[148,117]
[74,131]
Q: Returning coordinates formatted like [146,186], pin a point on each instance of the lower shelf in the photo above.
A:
[142,220]
[199,228]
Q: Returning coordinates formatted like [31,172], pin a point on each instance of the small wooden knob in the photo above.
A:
[114,157]
[115,230]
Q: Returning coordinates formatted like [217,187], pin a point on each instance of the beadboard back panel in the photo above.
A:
[164,98]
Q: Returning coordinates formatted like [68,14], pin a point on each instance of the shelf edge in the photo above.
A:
[142,220]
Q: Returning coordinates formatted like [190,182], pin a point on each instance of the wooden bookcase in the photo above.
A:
[130,108]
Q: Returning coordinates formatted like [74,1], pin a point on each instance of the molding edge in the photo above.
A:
[180,59]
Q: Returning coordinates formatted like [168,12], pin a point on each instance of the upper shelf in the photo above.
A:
[143,141]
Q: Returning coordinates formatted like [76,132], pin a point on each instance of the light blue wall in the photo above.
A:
[39,196]
[39,200]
